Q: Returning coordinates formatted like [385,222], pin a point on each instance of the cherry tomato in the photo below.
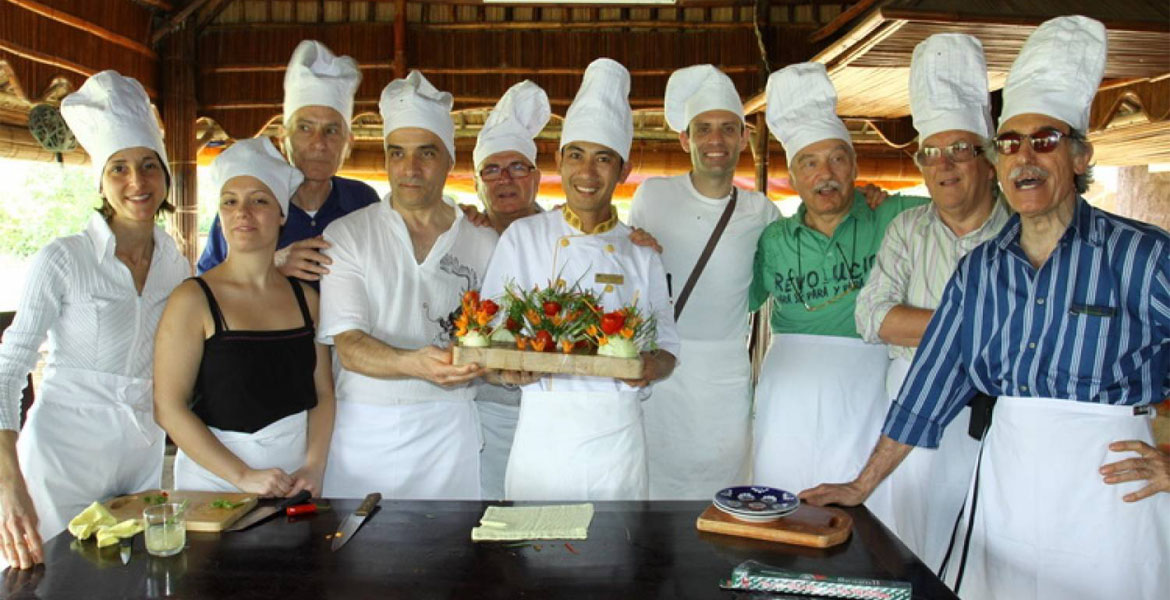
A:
[544,339]
[489,307]
[611,323]
[512,325]
[551,308]
[471,297]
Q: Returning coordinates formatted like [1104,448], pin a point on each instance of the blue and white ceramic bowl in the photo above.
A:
[756,501]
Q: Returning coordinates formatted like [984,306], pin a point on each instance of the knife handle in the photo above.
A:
[301,498]
[368,504]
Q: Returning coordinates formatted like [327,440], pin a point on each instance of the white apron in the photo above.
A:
[422,451]
[279,445]
[578,446]
[1046,526]
[698,422]
[820,406]
[927,490]
[89,436]
[499,427]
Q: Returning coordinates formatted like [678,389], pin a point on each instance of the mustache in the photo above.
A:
[831,184]
[1028,172]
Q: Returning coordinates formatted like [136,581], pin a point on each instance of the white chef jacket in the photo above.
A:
[682,219]
[375,285]
[537,250]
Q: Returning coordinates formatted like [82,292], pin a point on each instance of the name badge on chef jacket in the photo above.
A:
[609,280]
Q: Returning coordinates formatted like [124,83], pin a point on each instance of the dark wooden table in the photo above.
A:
[412,549]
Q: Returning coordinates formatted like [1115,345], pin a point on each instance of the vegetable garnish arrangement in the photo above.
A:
[511,332]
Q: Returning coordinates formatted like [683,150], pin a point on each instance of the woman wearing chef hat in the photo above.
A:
[97,296]
[240,385]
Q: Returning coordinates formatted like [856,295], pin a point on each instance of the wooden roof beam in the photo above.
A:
[177,20]
[81,24]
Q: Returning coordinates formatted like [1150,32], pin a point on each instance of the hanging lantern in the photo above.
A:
[48,127]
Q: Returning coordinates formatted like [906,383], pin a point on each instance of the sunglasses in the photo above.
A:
[1043,141]
[929,156]
[516,170]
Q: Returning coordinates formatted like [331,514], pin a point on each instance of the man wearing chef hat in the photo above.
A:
[698,420]
[821,394]
[950,105]
[1065,316]
[579,437]
[506,179]
[318,107]
[405,424]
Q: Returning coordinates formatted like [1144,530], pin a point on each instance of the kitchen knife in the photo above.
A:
[262,513]
[124,547]
[351,523]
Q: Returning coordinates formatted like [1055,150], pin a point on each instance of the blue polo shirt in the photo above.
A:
[346,196]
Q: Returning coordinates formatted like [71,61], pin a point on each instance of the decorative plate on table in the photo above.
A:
[756,503]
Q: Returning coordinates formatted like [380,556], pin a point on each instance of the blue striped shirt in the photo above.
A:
[1091,325]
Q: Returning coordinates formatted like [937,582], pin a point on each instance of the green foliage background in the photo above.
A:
[44,201]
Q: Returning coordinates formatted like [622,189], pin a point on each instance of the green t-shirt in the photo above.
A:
[797,265]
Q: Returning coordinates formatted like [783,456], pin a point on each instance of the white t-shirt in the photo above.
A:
[375,285]
[682,219]
[538,250]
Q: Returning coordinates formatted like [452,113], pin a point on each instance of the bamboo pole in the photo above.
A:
[526,71]
[179,109]
[761,332]
[83,25]
[569,25]
[399,64]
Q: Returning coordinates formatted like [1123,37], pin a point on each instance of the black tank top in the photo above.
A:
[251,379]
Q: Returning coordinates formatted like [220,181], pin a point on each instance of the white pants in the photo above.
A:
[927,490]
[820,407]
[498,422]
[89,437]
[425,451]
[1046,526]
[698,422]
[280,445]
[578,446]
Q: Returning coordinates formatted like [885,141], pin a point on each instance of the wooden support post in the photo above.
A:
[399,39]
[179,112]
[761,332]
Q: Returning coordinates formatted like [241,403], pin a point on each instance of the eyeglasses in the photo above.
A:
[929,156]
[516,170]
[854,285]
[1043,141]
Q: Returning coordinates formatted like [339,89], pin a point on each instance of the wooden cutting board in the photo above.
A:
[814,526]
[201,515]
[549,362]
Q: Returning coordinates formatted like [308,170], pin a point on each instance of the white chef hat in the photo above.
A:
[258,158]
[519,115]
[600,113]
[316,77]
[414,102]
[110,113]
[802,108]
[1057,72]
[694,90]
[948,86]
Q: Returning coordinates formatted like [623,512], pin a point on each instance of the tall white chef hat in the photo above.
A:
[414,102]
[948,86]
[697,89]
[600,113]
[316,77]
[802,108]
[1057,72]
[519,115]
[110,113]
[259,158]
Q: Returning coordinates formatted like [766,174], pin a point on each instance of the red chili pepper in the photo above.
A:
[571,548]
[301,509]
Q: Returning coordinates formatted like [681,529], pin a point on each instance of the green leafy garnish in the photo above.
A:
[225,504]
[154,499]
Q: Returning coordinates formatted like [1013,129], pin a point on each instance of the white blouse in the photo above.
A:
[83,298]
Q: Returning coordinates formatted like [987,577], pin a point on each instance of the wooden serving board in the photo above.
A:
[549,362]
[813,526]
[201,515]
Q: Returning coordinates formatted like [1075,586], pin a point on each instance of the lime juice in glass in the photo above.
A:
[166,529]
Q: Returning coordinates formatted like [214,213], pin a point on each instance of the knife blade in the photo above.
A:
[124,548]
[351,523]
[264,512]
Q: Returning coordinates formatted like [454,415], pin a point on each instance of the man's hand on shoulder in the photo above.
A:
[641,237]
[303,259]
[874,195]
[471,213]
